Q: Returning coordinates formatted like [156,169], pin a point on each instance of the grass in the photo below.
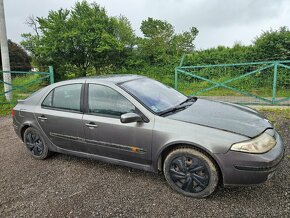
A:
[21,92]
[278,116]
[281,112]
[192,87]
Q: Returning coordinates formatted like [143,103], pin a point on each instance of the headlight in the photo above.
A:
[258,145]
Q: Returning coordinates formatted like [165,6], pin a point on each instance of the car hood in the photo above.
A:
[225,116]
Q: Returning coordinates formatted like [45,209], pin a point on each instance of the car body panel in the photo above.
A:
[167,131]
[236,119]
[118,140]
[57,126]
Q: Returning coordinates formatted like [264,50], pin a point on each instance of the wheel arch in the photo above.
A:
[175,145]
[23,128]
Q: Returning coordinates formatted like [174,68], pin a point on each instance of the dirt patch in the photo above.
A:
[67,186]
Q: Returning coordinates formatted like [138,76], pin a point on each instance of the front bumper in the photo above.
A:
[240,168]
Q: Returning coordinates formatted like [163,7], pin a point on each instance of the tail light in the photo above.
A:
[13,112]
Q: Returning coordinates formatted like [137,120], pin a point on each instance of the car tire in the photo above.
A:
[191,172]
[35,143]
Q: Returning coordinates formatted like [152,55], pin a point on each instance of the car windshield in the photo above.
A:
[153,94]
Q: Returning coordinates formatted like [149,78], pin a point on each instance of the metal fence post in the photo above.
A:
[181,60]
[176,72]
[51,74]
[274,83]
[175,79]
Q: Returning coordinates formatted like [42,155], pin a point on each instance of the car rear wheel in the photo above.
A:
[191,172]
[35,143]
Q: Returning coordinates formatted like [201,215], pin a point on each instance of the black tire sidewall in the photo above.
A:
[212,170]
[46,152]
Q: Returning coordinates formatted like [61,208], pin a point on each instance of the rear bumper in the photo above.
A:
[16,127]
[240,168]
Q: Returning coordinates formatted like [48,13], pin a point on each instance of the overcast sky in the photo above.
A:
[220,22]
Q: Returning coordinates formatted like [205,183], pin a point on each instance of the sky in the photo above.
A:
[220,22]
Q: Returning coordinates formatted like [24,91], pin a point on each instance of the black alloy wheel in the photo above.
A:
[35,143]
[191,172]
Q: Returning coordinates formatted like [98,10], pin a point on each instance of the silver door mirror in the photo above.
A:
[130,118]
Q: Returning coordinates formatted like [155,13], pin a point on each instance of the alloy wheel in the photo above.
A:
[34,143]
[189,173]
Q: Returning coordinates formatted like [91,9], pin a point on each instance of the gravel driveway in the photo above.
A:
[67,186]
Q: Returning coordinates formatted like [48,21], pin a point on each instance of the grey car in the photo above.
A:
[138,122]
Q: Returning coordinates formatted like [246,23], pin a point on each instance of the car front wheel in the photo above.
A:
[191,172]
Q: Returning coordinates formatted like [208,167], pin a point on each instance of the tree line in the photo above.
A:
[19,59]
[85,40]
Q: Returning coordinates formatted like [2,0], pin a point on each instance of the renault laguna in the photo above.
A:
[138,122]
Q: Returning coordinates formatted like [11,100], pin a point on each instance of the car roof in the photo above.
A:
[104,79]
[113,78]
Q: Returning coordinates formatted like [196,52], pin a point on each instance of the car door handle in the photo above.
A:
[91,125]
[42,118]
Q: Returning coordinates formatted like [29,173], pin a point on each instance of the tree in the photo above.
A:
[183,43]
[81,38]
[123,32]
[19,59]
[273,45]
[161,43]
[157,35]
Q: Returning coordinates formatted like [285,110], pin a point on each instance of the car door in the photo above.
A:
[60,116]
[106,135]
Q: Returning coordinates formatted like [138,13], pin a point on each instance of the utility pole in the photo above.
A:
[5,55]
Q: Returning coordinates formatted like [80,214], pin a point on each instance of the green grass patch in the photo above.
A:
[278,116]
[189,87]
[21,91]
[280,112]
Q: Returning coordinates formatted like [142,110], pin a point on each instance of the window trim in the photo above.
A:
[86,103]
[81,111]
[52,94]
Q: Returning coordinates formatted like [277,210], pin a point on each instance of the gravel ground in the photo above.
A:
[66,186]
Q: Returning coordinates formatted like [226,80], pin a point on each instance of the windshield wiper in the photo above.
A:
[180,106]
[189,99]
[173,109]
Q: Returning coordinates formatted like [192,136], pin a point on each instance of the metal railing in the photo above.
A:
[260,83]
[24,88]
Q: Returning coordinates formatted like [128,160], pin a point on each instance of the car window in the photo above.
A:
[48,100]
[154,95]
[66,97]
[106,101]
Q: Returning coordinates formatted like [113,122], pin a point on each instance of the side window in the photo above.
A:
[48,100]
[66,97]
[106,101]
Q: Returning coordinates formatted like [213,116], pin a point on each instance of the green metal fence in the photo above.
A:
[24,83]
[262,83]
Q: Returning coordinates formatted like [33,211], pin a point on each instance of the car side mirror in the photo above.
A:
[130,118]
